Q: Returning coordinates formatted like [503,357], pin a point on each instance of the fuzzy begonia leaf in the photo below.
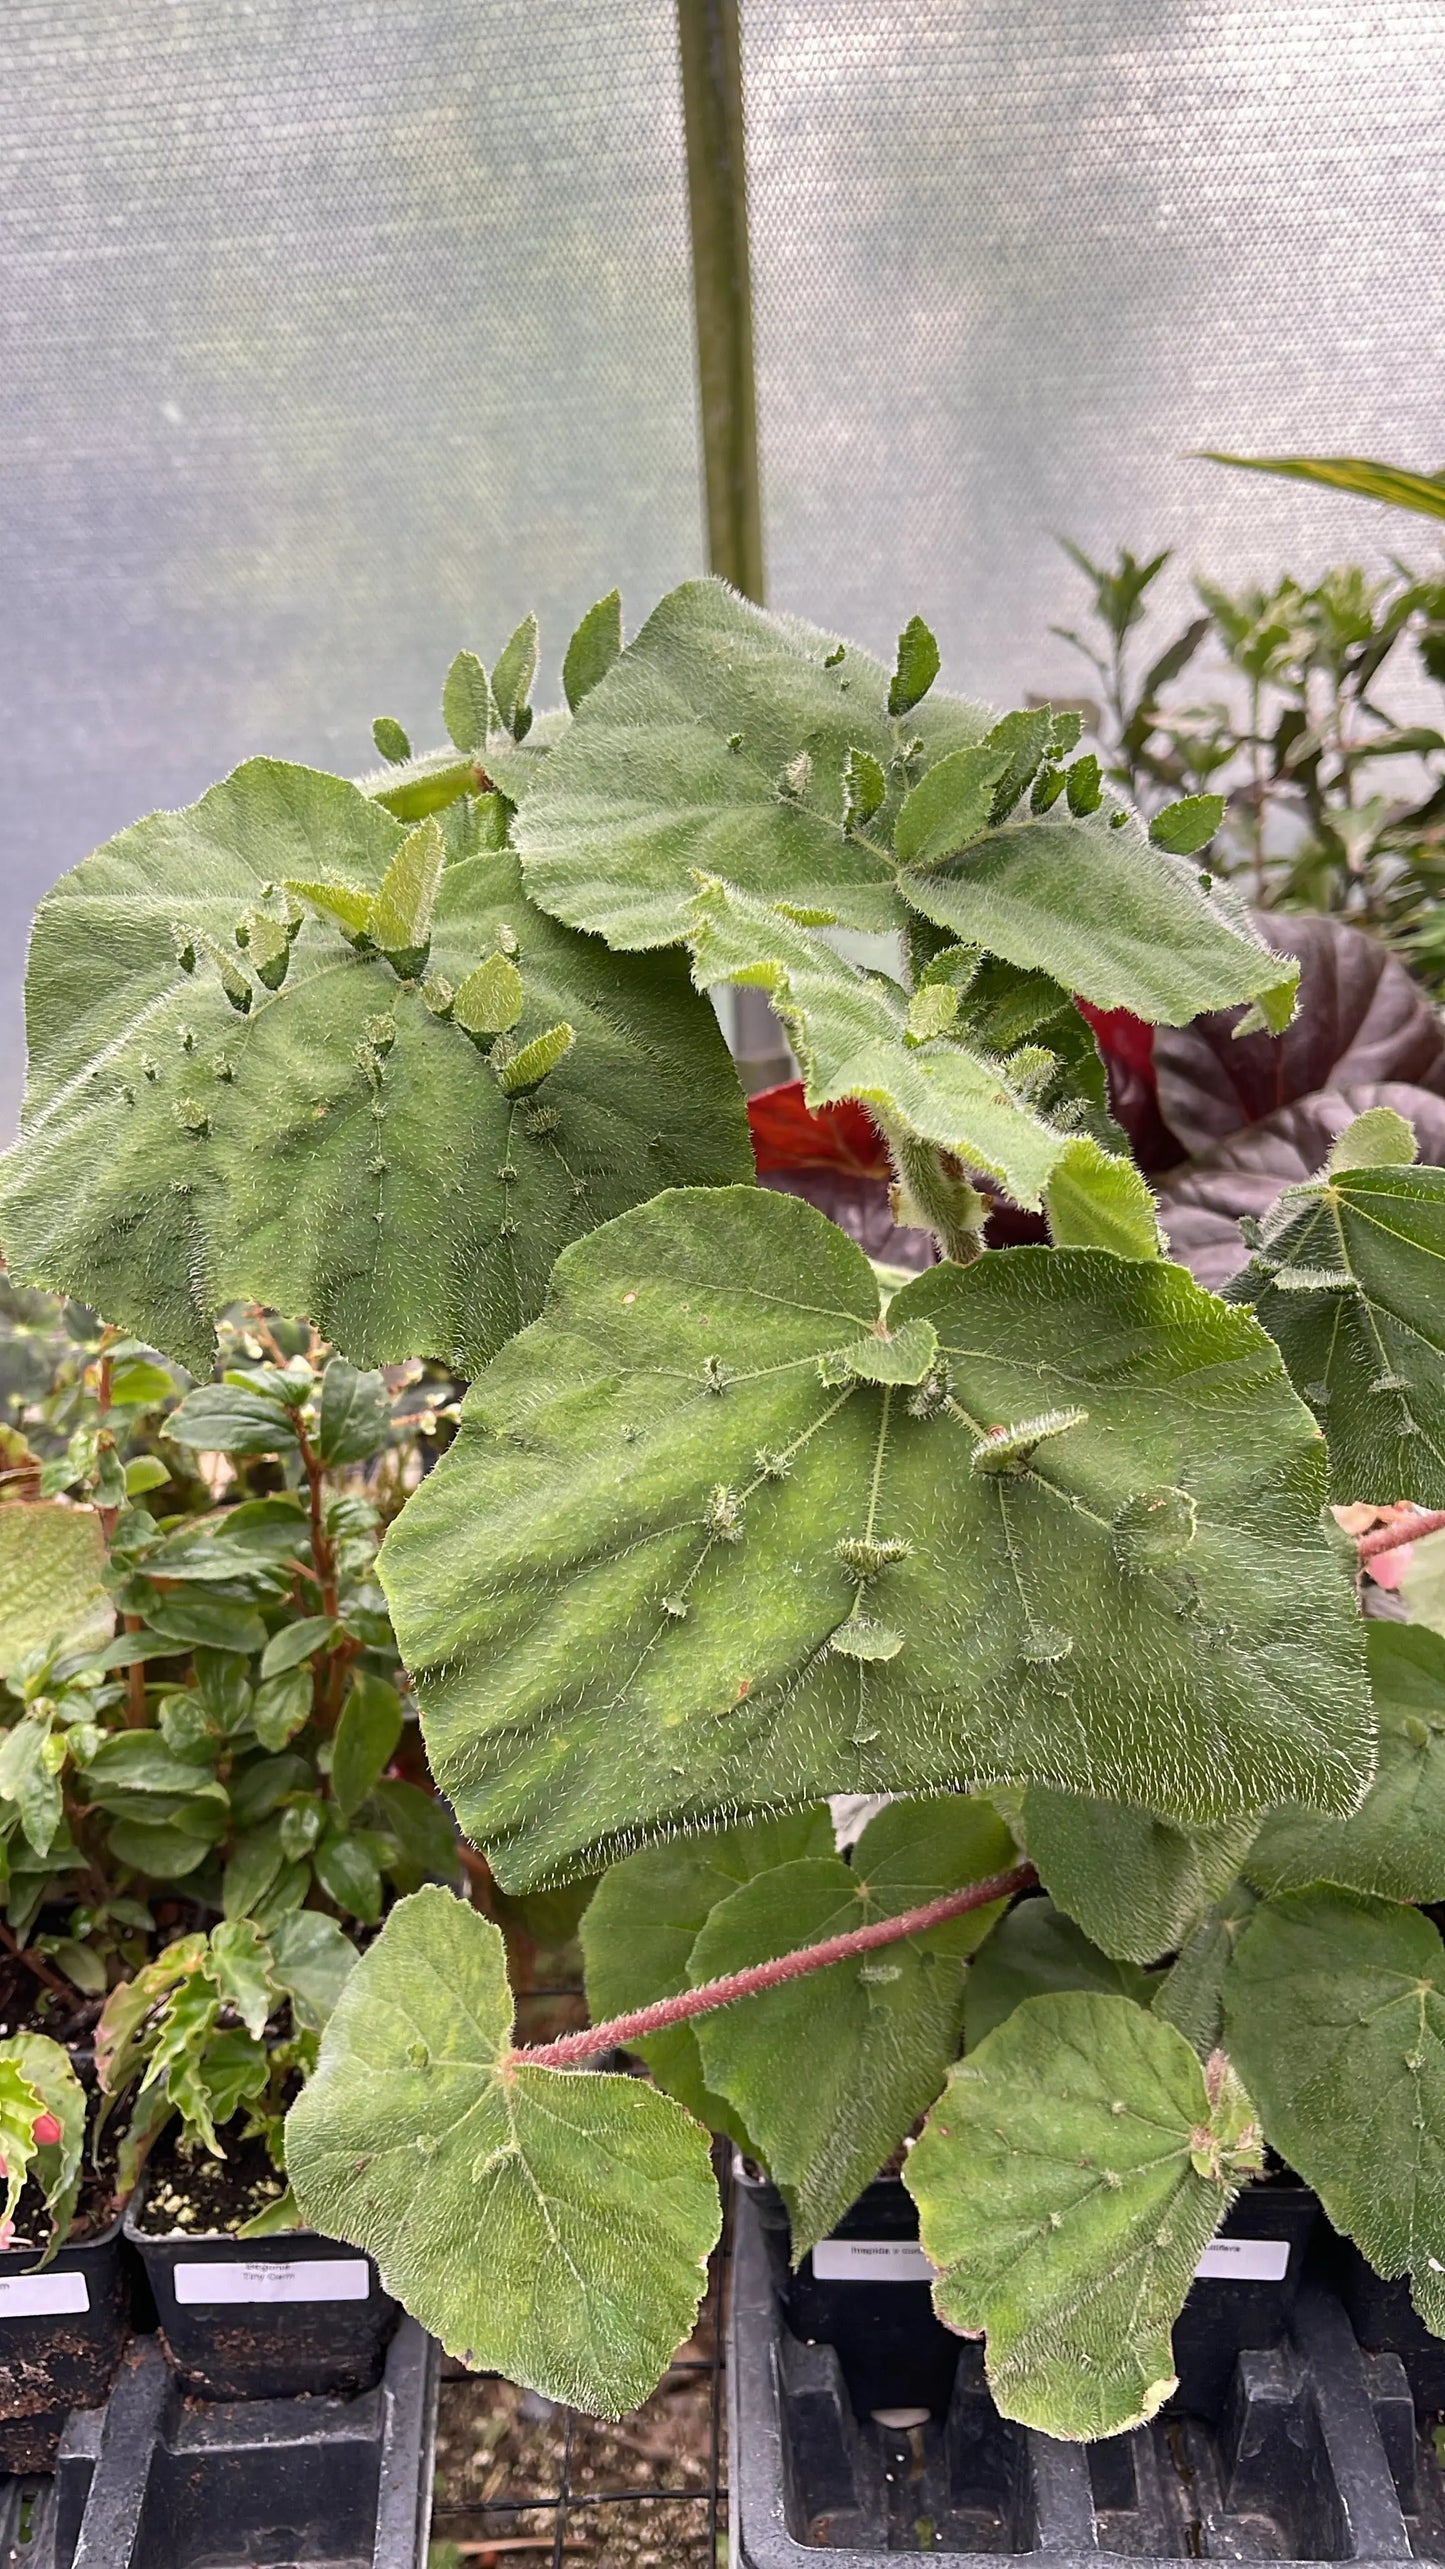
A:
[1068,2182]
[1087,898]
[51,1562]
[1347,1280]
[1335,2013]
[642,1923]
[1036,1952]
[647,788]
[335,1147]
[707,1544]
[829,2072]
[1394,1844]
[1191,1993]
[550,2225]
[849,1029]
[1137,1885]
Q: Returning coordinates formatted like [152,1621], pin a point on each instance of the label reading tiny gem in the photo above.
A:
[1246,2261]
[28,2296]
[871,2261]
[278,2279]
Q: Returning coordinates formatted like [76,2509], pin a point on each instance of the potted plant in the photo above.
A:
[1037,1544]
[62,2289]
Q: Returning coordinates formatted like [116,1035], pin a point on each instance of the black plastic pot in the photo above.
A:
[1385,2320]
[62,2327]
[1311,2453]
[153,2481]
[245,2319]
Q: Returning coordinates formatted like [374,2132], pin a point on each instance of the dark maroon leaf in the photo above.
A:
[859,1206]
[1361,1019]
[1200,1206]
[1126,1044]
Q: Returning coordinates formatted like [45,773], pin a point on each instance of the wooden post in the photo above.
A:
[710,48]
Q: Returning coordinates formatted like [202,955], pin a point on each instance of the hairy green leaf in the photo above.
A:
[391,740]
[634,1590]
[1068,2182]
[685,759]
[51,1560]
[1036,1952]
[356,1158]
[1122,922]
[467,704]
[1097,1201]
[512,678]
[1335,2012]
[915,667]
[401,913]
[1136,1885]
[644,1918]
[551,2226]
[1347,1281]
[851,1032]
[1191,1993]
[593,648]
[1394,1844]
[876,2033]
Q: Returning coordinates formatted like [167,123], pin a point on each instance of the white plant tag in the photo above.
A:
[275,2279]
[27,2296]
[1246,2261]
[871,2261]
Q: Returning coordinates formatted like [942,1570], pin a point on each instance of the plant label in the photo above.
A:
[871,2261]
[1245,2261]
[29,2296]
[275,2280]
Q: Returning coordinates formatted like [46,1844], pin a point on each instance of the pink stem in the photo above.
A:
[621,2030]
[1392,1538]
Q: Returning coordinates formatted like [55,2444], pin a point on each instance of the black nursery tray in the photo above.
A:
[1302,2446]
[156,2481]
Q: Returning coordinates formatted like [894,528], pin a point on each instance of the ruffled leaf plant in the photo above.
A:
[1038,1544]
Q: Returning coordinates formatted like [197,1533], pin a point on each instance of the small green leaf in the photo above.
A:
[1183,828]
[593,648]
[401,914]
[865,788]
[640,1926]
[467,704]
[1036,1952]
[295,1642]
[1392,483]
[1394,1844]
[282,1707]
[1347,1281]
[1335,2012]
[268,948]
[552,2227]
[347,1872]
[239,1964]
[954,804]
[1083,786]
[221,1418]
[904,1355]
[522,1071]
[512,678]
[1068,2181]
[877,2033]
[366,1738]
[136,1383]
[490,999]
[344,904]
[145,1472]
[916,666]
[235,985]
[1378,1139]
[1095,1201]
[1137,1885]
[355,1416]
[391,741]
[311,1963]
[255,1861]
[1191,1994]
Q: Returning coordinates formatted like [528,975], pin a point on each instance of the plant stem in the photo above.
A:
[53,1980]
[625,2030]
[948,1206]
[1393,1538]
